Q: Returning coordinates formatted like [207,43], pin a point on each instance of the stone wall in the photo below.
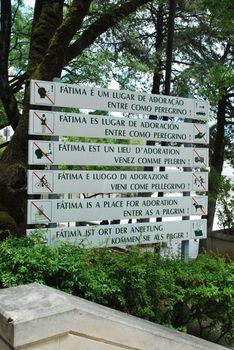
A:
[221,243]
[36,317]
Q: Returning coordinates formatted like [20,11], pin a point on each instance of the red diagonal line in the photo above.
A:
[199,181]
[199,156]
[41,211]
[44,122]
[199,131]
[44,93]
[45,184]
[43,152]
[199,204]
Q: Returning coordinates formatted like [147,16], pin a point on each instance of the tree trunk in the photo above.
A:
[170,35]
[13,169]
[217,159]
[157,77]
[157,73]
[53,45]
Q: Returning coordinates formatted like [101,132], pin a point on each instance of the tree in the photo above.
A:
[60,33]
[202,67]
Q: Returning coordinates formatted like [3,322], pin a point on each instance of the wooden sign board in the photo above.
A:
[86,125]
[68,181]
[78,153]
[62,210]
[53,94]
[125,235]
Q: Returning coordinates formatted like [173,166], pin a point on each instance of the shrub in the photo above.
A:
[225,200]
[169,292]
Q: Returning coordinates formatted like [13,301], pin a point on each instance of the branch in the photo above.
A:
[3,125]
[6,95]
[14,13]
[48,16]
[225,54]
[17,82]
[62,37]
[183,62]
[2,145]
[222,334]
[101,25]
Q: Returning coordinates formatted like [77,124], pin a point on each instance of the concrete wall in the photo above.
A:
[221,243]
[36,317]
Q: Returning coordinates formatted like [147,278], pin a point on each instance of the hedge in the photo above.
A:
[198,295]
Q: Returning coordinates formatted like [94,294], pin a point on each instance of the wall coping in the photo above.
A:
[29,313]
[220,235]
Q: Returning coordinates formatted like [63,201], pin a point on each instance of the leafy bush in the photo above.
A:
[169,292]
[226,206]
[221,192]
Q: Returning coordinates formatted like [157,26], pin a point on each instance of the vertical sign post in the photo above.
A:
[54,167]
[185,244]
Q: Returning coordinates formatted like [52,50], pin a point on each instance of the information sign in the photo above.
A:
[86,125]
[59,210]
[83,96]
[122,235]
[57,181]
[78,153]
[126,127]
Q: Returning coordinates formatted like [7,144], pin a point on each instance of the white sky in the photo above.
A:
[29,2]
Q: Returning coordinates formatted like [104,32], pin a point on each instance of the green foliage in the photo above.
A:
[82,70]
[220,189]
[169,292]
[215,181]
[3,118]
[222,16]
[220,77]
[20,36]
[229,149]
[209,292]
[225,201]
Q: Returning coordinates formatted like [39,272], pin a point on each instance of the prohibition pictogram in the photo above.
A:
[42,183]
[199,158]
[44,93]
[199,207]
[199,182]
[41,212]
[43,122]
[40,153]
[199,134]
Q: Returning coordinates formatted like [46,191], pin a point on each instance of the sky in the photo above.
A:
[29,2]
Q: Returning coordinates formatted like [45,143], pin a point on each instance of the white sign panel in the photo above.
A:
[82,96]
[85,125]
[57,210]
[56,181]
[77,153]
[122,235]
